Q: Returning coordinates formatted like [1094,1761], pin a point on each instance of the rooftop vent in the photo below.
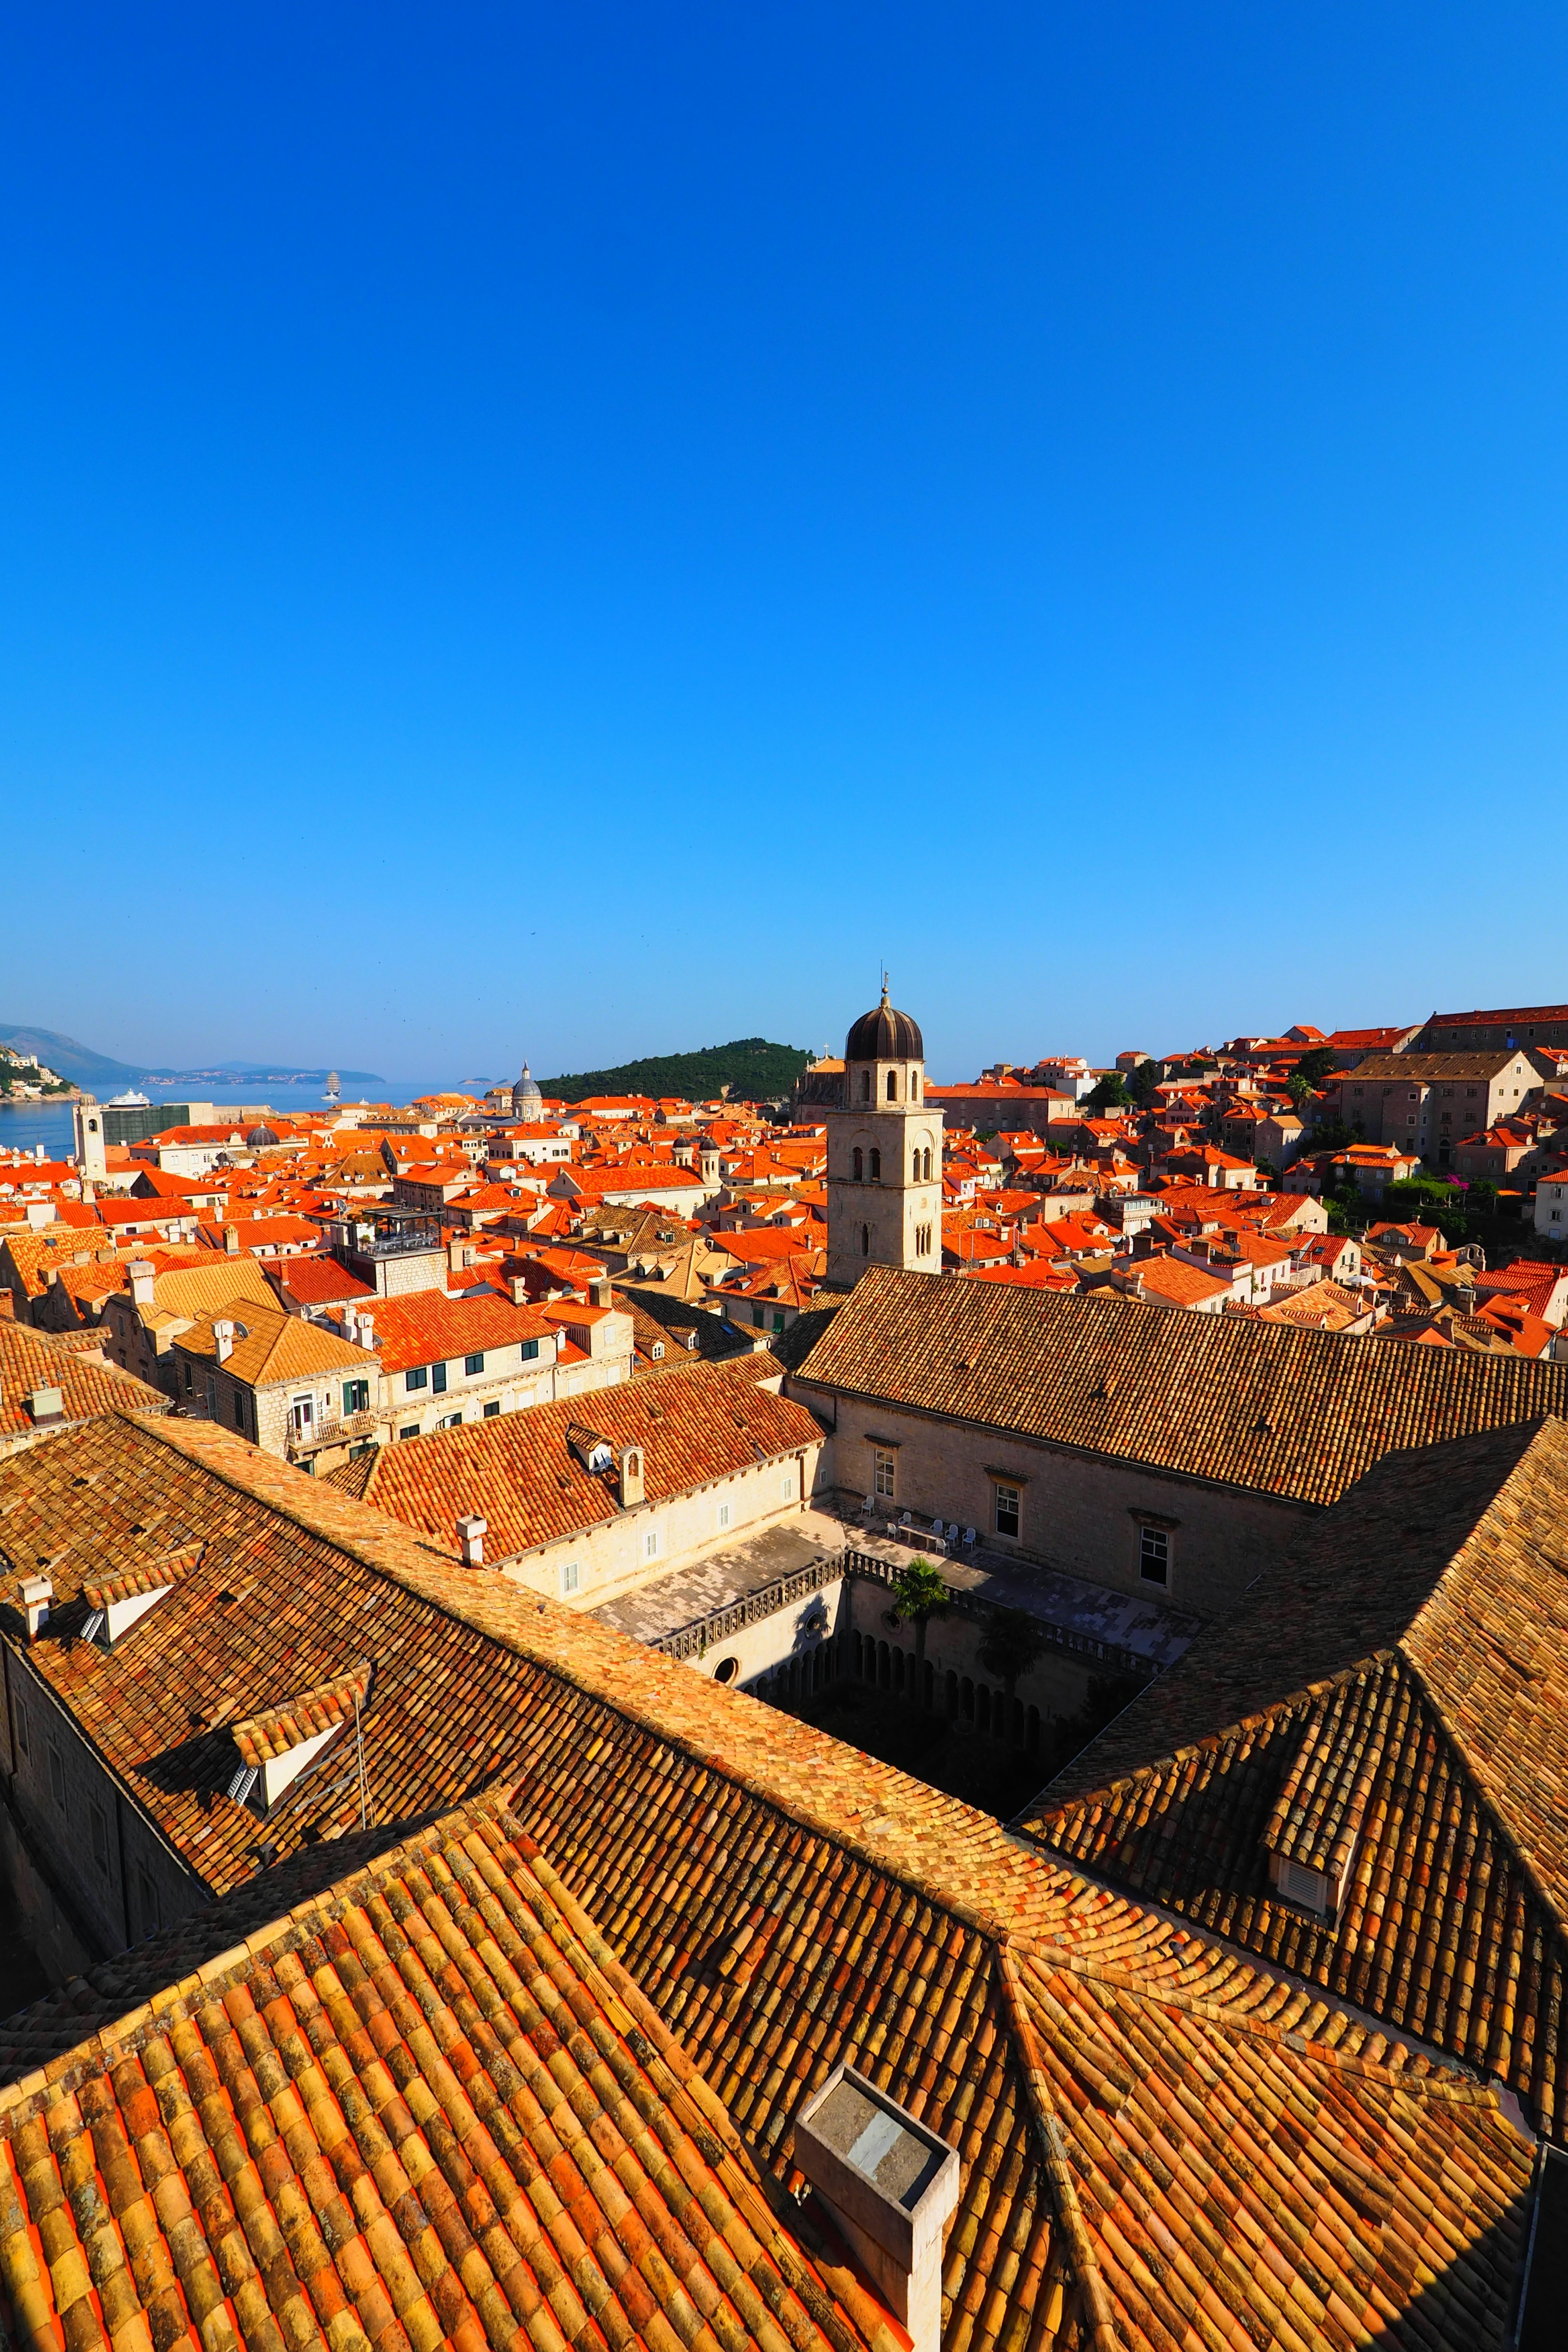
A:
[47,1406]
[38,1592]
[891,2186]
[593,1452]
[276,1747]
[116,1603]
[222,1338]
[471,1533]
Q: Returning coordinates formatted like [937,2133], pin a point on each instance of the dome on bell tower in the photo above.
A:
[527,1102]
[885,1035]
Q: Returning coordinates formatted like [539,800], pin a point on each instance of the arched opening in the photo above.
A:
[864,1086]
[726,1670]
[865,1241]
[966,1699]
[928,1695]
[892,1086]
[950,1692]
[1032,1730]
[859,1164]
[927,1178]
[915,1171]
[982,1706]
[914,1086]
[884,1667]
[898,1674]
[876,1165]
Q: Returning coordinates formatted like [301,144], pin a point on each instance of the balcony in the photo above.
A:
[387,1230]
[331,1429]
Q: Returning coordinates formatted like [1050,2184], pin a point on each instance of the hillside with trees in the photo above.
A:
[752,1069]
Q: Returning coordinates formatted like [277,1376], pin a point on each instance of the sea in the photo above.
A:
[25,1124]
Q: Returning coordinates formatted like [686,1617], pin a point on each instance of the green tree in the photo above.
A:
[1110,1094]
[1316,1065]
[1301,1091]
[920,1593]
[1144,1084]
[1013,1643]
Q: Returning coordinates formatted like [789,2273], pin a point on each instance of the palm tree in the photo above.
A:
[919,1594]
[1012,1644]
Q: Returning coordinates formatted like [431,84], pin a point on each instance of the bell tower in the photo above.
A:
[884,1153]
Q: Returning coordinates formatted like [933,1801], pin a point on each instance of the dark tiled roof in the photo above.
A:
[1201,2151]
[520,1472]
[1390,1708]
[1295,1413]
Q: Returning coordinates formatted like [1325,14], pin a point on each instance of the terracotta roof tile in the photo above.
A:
[1296,1413]
[1192,2147]
[1393,1704]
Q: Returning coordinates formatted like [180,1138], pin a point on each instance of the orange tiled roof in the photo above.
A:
[423,1327]
[487,2136]
[519,1470]
[269,1345]
[1295,1413]
[1187,2145]
[32,1360]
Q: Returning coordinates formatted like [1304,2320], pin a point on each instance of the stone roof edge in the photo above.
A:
[1058,2170]
[1290,1502]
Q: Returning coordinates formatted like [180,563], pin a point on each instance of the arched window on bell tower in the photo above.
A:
[892,1086]
[864,1086]
[928,1164]
[859,1164]
[915,1171]
[865,1241]
[876,1165]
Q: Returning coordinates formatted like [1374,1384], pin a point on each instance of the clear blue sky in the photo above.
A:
[578,530]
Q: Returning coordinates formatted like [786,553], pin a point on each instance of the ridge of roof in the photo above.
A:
[1299,1414]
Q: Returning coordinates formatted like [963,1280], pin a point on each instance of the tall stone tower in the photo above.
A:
[884,1153]
[86,1118]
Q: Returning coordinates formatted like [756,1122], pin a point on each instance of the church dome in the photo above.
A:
[885,1035]
[259,1138]
[527,1102]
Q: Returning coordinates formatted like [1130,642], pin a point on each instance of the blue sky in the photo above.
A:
[580,530]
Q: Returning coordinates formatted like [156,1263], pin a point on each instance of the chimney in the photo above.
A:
[38,1592]
[519,1296]
[46,1406]
[471,1542]
[600,1293]
[890,2185]
[222,1338]
[366,1327]
[231,1240]
[631,1481]
[140,1272]
[39,1214]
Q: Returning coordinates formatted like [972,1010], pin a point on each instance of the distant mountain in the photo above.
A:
[101,1072]
[73,1060]
[752,1069]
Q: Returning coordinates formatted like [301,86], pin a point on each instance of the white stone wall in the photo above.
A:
[614,1557]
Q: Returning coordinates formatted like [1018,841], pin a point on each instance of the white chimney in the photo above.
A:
[222,1339]
[891,2186]
[140,1272]
[46,1405]
[40,1214]
[38,1154]
[38,1592]
[471,1542]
